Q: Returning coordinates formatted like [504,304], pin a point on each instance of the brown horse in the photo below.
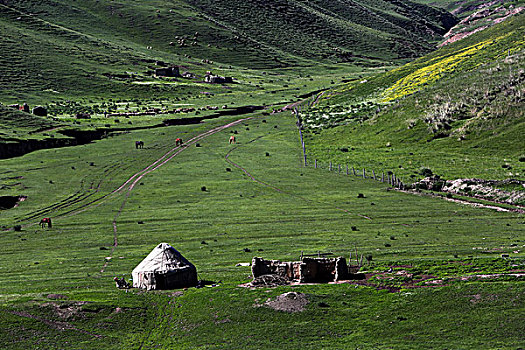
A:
[139,144]
[44,222]
[178,142]
[232,139]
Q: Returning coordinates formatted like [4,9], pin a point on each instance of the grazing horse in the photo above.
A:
[178,142]
[232,139]
[44,222]
[139,144]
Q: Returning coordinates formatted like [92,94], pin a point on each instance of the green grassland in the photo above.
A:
[312,210]
[458,111]
[439,274]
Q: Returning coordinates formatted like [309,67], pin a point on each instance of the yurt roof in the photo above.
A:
[162,258]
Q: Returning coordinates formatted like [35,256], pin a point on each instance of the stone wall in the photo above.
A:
[308,270]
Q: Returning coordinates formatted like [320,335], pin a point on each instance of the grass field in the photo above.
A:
[292,209]
[440,272]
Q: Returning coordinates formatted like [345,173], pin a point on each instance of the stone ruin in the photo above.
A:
[216,79]
[308,270]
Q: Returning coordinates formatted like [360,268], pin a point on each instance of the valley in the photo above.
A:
[329,101]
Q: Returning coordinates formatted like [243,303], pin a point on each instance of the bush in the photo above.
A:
[17,228]
[203,188]
[426,172]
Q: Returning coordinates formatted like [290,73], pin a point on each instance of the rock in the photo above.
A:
[40,111]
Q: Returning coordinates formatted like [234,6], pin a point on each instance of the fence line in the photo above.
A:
[300,127]
[390,178]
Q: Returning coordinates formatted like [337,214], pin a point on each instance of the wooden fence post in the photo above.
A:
[353,171]
[316,163]
[339,167]
[374,174]
[330,168]
[347,169]
[364,173]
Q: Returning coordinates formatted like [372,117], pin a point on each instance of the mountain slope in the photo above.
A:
[64,46]
[462,105]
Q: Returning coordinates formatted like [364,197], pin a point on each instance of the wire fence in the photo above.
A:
[388,177]
[385,177]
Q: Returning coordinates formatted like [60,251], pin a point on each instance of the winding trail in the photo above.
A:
[130,184]
[125,189]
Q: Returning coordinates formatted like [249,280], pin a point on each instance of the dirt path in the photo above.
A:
[466,202]
[125,189]
[130,184]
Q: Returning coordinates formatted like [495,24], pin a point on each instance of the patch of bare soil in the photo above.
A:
[288,302]
[58,325]
[66,311]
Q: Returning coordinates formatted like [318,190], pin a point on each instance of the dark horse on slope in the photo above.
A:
[139,144]
[45,221]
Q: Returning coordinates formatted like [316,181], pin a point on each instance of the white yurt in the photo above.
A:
[164,268]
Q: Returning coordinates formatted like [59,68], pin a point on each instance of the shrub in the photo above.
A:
[426,172]
[17,228]
[203,188]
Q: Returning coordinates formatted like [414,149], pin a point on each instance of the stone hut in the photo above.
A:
[308,270]
[216,79]
[167,72]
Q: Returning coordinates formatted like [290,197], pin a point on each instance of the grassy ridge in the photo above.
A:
[460,104]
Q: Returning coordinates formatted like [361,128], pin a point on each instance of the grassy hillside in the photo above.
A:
[458,111]
[423,284]
[56,49]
